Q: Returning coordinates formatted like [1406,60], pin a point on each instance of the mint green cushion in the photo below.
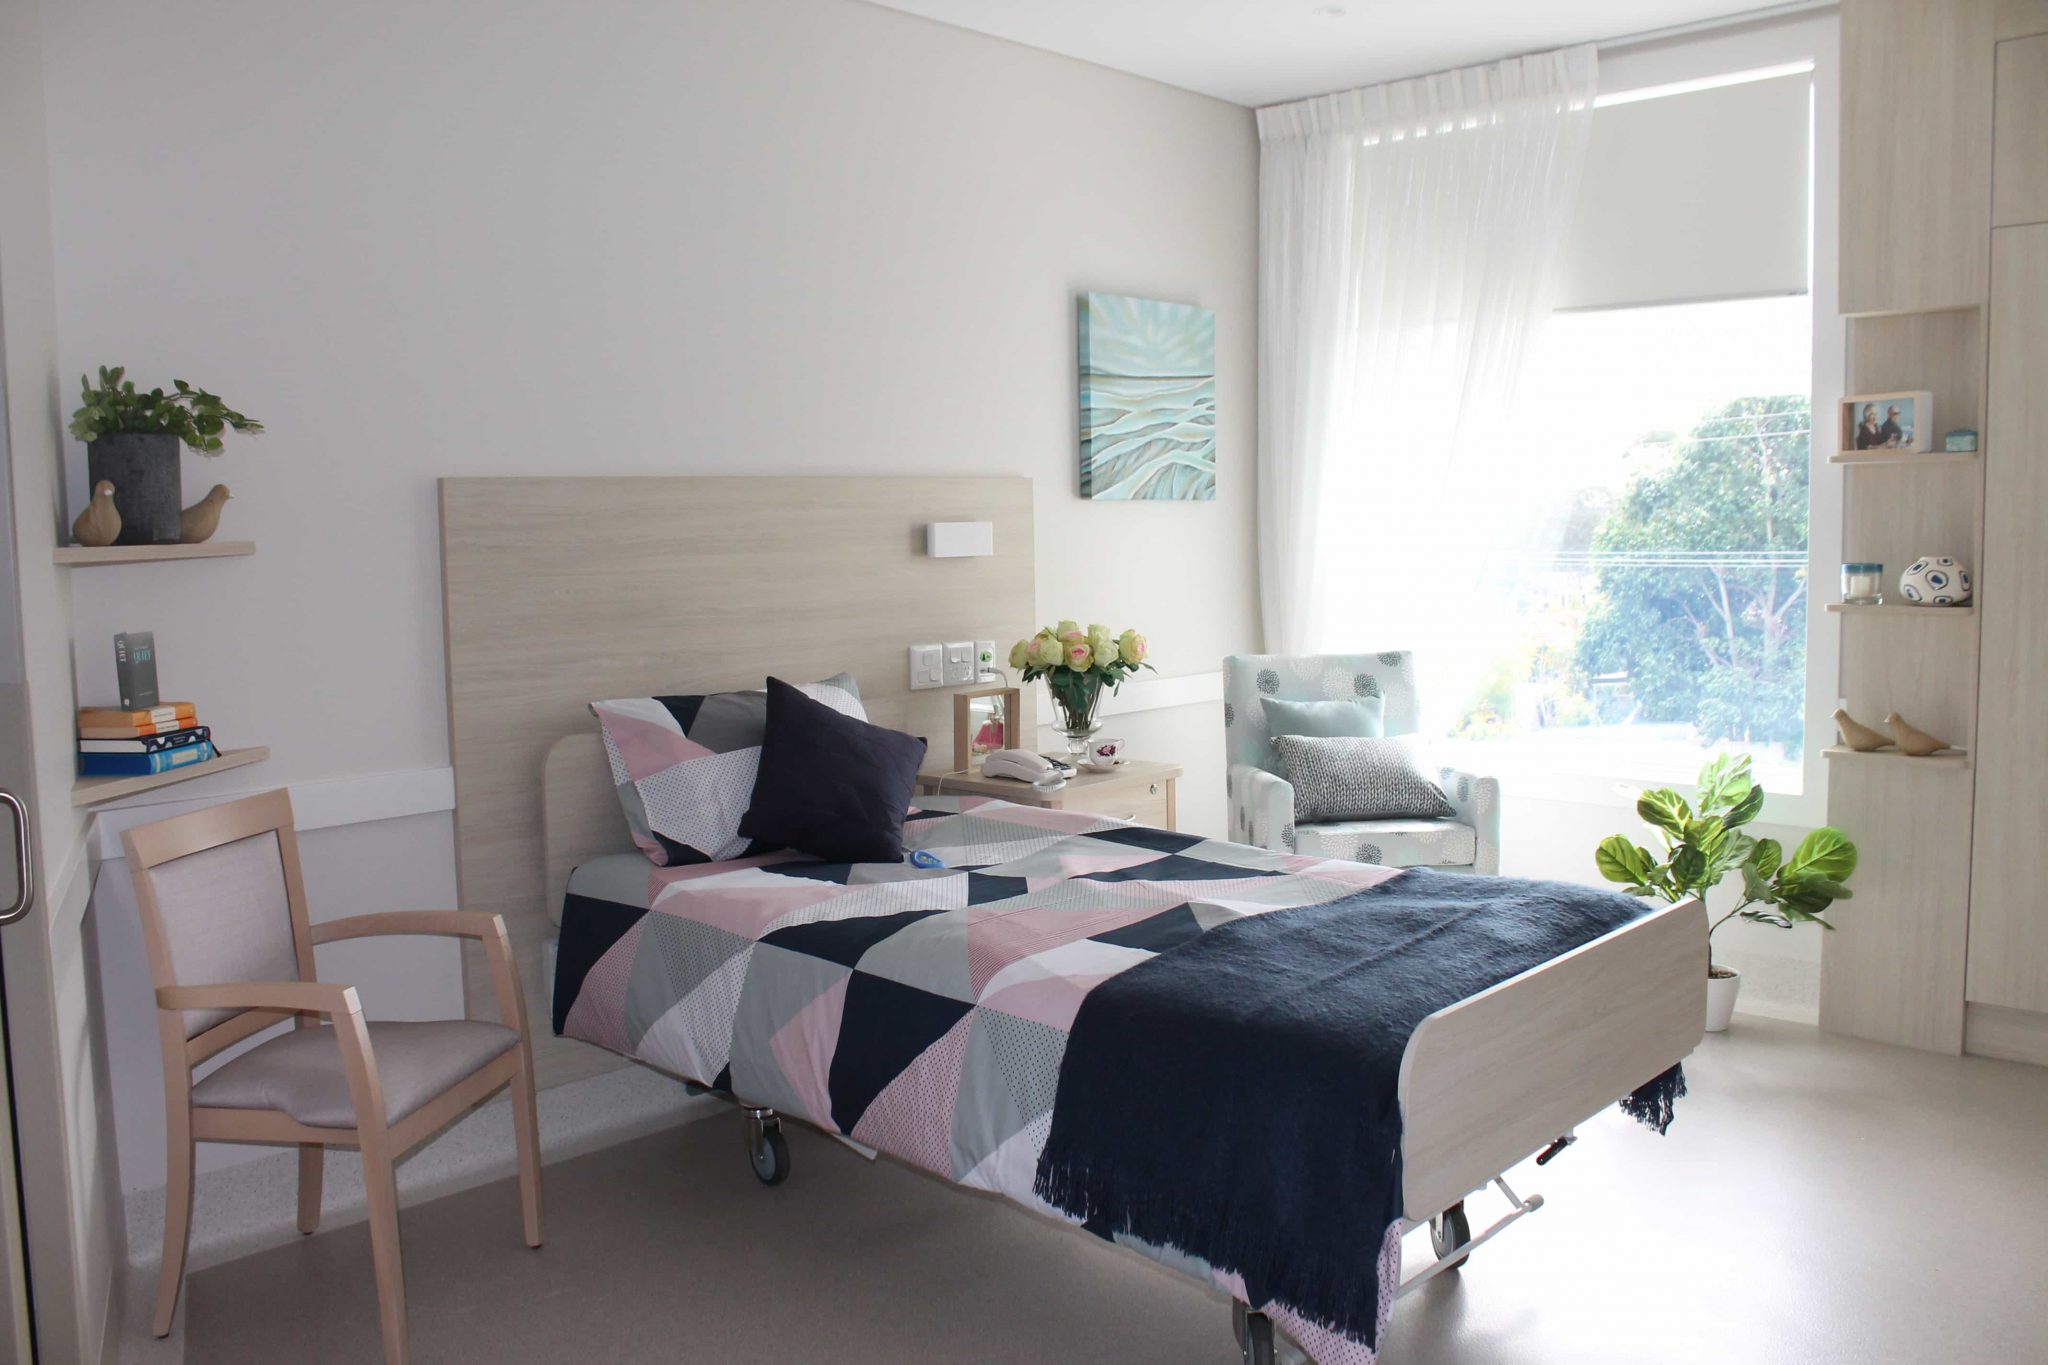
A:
[1342,718]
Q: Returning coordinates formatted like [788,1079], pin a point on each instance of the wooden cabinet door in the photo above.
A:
[2009,861]
[2019,169]
[1916,153]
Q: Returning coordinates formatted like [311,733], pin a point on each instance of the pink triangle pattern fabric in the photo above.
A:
[684,765]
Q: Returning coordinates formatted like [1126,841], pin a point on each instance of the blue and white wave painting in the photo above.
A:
[1148,399]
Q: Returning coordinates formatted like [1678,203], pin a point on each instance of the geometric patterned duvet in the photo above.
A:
[920,1012]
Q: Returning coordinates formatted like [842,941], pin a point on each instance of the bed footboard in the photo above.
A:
[1489,1080]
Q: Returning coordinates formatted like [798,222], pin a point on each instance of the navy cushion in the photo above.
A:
[829,785]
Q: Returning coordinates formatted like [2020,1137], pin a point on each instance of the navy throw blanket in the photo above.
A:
[1238,1095]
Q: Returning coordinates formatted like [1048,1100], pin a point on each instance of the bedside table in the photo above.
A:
[1140,792]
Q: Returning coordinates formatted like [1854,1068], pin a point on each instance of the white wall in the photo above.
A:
[635,236]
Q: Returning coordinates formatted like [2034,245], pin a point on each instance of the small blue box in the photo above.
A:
[1960,439]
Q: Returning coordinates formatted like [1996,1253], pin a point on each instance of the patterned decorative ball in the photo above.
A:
[1935,581]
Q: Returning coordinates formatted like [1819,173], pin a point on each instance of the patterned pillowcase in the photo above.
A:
[1358,779]
[685,766]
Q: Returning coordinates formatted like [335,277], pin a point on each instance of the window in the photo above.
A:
[1650,608]
[1642,548]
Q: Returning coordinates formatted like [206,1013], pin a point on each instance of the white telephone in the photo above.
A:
[1025,766]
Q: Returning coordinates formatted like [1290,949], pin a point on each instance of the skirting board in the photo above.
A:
[2007,1034]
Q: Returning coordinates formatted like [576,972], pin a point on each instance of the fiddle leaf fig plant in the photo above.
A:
[1703,841]
[116,408]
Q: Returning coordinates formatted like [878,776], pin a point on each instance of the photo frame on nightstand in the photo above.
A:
[983,721]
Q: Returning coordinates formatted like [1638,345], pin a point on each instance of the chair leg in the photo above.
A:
[381,1187]
[311,1164]
[526,1131]
[177,1217]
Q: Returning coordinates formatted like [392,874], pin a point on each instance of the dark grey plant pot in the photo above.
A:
[143,467]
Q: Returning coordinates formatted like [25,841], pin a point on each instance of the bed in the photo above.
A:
[744,977]
[557,591]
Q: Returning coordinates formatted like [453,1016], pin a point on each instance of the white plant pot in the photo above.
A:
[1721,993]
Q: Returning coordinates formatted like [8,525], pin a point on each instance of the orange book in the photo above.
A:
[180,711]
[137,731]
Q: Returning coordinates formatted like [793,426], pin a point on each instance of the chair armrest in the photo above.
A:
[487,929]
[290,997]
[1476,800]
[447,923]
[1261,808]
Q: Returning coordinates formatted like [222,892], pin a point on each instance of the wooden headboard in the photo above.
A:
[560,591]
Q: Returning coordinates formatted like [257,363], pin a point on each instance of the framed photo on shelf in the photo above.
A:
[984,718]
[1887,421]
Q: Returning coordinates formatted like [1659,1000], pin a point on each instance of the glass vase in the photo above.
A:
[1074,700]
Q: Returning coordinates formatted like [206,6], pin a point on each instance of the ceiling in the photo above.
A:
[1256,52]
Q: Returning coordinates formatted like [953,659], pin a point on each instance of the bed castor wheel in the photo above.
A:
[1254,1336]
[767,1149]
[1448,1231]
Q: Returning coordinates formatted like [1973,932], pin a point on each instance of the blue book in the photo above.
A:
[144,765]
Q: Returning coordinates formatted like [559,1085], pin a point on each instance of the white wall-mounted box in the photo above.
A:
[959,539]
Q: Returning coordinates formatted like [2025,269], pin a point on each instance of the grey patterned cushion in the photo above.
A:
[1358,779]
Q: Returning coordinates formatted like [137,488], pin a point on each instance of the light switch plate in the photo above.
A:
[927,666]
[959,662]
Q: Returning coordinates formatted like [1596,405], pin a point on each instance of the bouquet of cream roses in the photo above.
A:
[1068,648]
[1077,664]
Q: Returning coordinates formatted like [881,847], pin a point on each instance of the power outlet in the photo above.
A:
[985,663]
[959,662]
[927,666]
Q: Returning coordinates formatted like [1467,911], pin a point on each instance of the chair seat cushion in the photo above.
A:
[1391,843]
[300,1072]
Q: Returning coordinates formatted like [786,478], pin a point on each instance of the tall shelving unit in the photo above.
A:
[1923,82]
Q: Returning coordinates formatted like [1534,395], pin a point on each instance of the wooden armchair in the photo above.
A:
[223,904]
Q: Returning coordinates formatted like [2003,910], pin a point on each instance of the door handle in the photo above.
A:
[24,861]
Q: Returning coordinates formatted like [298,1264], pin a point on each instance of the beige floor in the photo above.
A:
[1818,1201]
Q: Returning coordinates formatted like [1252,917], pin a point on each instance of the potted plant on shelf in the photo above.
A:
[1703,842]
[132,439]
[1076,666]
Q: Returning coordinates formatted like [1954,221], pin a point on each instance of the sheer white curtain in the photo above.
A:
[1407,238]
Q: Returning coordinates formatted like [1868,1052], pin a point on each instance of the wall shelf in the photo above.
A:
[1896,609]
[91,791]
[1895,458]
[78,556]
[1947,758]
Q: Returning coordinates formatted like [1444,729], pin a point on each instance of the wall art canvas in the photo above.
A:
[1148,399]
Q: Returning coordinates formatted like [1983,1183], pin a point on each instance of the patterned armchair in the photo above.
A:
[1262,800]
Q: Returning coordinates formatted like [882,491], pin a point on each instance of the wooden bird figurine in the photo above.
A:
[1857,735]
[1918,743]
[199,521]
[100,522]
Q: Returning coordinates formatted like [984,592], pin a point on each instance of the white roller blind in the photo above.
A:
[1701,195]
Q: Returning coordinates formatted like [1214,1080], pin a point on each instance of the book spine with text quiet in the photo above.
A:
[135,668]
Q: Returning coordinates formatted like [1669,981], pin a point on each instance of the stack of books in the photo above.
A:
[117,743]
